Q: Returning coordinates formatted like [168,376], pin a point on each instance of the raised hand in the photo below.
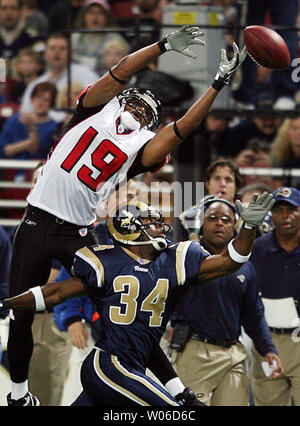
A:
[253,215]
[228,67]
[181,39]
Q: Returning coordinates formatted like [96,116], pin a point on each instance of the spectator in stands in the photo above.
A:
[212,138]
[56,59]
[45,5]
[246,192]
[250,140]
[63,14]
[247,142]
[147,17]
[223,180]
[275,257]
[68,100]
[14,36]
[27,67]
[30,136]
[171,90]
[282,13]
[87,48]
[113,51]
[122,8]
[285,150]
[34,18]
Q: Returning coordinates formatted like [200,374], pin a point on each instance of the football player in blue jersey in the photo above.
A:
[133,284]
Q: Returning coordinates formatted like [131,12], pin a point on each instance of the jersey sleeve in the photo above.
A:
[189,256]
[137,167]
[81,112]
[88,267]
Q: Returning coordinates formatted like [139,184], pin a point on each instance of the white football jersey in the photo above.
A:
[87,163]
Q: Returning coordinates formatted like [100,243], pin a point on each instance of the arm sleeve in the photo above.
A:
[189,256]
[88,267]
[137,167]
[81,113]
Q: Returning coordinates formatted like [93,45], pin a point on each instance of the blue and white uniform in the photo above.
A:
[135,299]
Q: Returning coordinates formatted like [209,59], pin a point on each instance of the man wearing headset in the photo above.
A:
[211,359]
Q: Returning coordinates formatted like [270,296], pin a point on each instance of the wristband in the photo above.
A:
[176,131]
[164,45]
[248,226]
[219,82]
[5,305]
[237,257]
[39,298]
[174,386]
[116,78]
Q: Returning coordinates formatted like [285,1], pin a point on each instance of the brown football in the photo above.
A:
[266,47]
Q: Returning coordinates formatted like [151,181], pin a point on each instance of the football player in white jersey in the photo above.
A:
[110,138]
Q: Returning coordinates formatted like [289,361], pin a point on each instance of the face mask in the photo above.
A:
[128,122]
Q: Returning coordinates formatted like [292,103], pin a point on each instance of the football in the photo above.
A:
[266,47]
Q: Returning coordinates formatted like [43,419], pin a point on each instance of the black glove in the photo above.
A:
[188,398]
[4,308]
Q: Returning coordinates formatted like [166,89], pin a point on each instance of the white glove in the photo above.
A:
[253,215]
[181,39]
[227,68]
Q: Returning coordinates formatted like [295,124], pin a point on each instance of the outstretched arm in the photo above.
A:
[112,82]
[173,134]
[238,250]
[41,298]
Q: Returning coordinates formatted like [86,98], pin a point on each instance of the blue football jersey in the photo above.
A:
[134,296]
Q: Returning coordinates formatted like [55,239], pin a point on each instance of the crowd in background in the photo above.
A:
[36,100]
[37,49]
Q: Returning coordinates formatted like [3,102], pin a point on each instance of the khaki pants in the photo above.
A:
[49,362]
[217,372]
[278,391]
[72,386]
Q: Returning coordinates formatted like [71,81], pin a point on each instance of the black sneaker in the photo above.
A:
[28,400]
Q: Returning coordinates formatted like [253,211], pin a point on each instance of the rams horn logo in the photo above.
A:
[126,221]
[128,226]
[284,192]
